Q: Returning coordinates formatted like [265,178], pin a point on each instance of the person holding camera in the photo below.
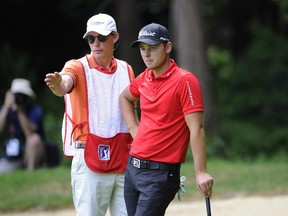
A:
[22,121]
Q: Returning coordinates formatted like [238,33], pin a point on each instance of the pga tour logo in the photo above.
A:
[104,152]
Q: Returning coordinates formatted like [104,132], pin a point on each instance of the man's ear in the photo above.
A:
[116,37]
[169,47]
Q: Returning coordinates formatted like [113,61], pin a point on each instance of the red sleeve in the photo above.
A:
[190,94]
[134,87]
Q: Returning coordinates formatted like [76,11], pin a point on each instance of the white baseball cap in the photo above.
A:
[23,86]
[102,24]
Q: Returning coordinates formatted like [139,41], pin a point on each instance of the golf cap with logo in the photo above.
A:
[102,24]
[152,34]
[22,86]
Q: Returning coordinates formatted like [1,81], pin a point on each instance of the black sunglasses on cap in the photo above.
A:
[91,38]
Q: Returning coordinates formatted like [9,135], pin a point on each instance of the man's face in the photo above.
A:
[21,99]
[100,45]
[153,56]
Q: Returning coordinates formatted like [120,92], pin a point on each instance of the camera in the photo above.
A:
[21,99]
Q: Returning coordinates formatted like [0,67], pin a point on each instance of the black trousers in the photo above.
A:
[148,192]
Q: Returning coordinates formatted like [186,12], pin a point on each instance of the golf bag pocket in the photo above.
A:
[104,155]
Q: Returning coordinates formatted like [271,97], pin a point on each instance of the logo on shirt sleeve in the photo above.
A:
[190,93]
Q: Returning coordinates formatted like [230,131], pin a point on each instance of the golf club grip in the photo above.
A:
[208,208]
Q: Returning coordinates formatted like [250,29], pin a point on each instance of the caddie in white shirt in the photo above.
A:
[93,131]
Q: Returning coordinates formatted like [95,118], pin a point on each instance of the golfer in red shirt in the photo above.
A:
[172,116]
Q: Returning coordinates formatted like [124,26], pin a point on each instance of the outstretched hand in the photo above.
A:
[53,81]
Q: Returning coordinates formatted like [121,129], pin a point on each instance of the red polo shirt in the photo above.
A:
[163,135]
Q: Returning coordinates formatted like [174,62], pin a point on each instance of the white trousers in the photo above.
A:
[94,193]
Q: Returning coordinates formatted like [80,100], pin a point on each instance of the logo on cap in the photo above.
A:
[96,23]
[146,33]
[152,34]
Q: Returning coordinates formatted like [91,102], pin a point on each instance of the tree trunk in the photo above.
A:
[128,24]
[186,27]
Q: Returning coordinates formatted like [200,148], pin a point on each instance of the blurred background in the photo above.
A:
[238,50]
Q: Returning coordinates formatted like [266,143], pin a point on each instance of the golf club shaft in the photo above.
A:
[208,208]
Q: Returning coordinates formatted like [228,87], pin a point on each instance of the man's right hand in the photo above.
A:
[59,83]
[9,100]
[53,81]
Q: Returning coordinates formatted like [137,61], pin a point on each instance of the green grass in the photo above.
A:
[43,188]
[241,178]
[47,189]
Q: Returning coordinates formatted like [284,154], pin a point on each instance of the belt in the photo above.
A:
[79,145]
[145,164]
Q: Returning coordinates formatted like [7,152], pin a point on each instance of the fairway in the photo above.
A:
[236,206]
[238,186]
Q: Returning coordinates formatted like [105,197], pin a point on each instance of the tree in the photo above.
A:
[186,20]
[128,27]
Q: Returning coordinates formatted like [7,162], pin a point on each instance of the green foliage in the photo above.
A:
[259,81]
[283,8]
[19,67]
[53,127]
[246,140]
[251,95]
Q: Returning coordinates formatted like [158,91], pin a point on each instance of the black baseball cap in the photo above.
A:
[152,34]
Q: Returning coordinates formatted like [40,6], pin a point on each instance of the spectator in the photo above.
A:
[22,121]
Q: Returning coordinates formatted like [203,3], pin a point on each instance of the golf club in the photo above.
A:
[208,208]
